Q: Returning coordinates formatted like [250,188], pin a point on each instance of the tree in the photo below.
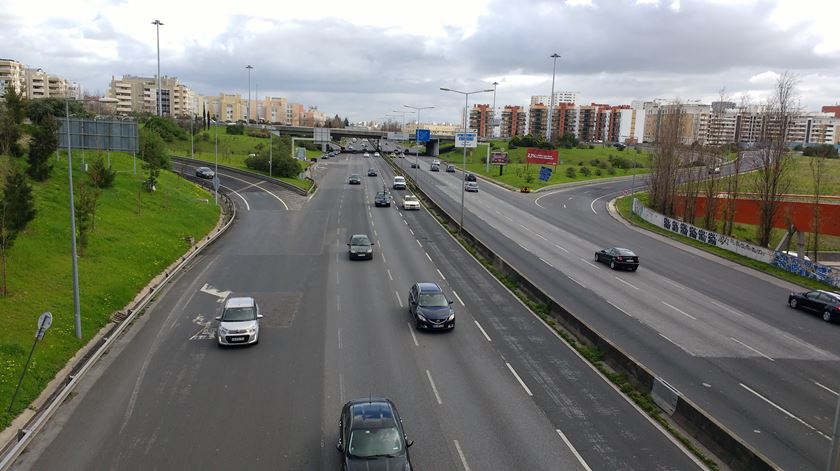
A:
[153,153]
[773,174]
[11,118]
[346,122]
[733,182]
[822,150]
[665,162]
[16,210]
[101,176]
[44,143]
[86,198]
[55,107]
[817,165]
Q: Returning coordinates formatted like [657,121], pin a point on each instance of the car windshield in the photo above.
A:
[359,240]
[411,198]
[354,176]
[625,252]
[433,300]
[238,314]
[368,443]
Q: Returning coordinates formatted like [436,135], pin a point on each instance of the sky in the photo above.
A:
[364,59]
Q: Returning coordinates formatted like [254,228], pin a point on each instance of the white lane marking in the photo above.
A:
[589,263]
[409,230]
[337,231]
[574,452]
[673,284]
[482,330]
[398,298]
[620,309]
[508,218]
[272,194]
[564,205]
[523,247]
[401,214]
[576,281]
[247,206]
[337,302]
[680,311]
[826,388]
[375,234]
[542,237]
[627,283]
[389,274]
[546,262]
[441,274]
[592,204]
[413,337]
[726,308]
[383,258]
[753,349]
[461,454]
[341,387]
[418,243]
[808,345]
[459,298]
[782,410]
[561,248]
[537,201]
[675,344]
[427,256]
[523,227]
[524,386]
[339,338]
[434,388]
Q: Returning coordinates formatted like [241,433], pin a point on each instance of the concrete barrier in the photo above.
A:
[288,186]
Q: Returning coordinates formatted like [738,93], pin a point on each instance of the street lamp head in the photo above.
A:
[488,90]
[555,56]
[495,83]
[249,67]
[157,22]
[446,89]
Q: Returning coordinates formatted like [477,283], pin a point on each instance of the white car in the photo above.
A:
[367,154]
[399,183]
[436,162]
[471,186]
[411,202]
[239,323]
[376,154]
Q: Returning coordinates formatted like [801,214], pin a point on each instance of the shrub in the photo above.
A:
[611,170]
[823,150]
[571,172]
[235,129]
[597,171]
[585,171]
[166,128]
[100,175]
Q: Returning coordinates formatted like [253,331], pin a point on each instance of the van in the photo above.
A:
[399,183]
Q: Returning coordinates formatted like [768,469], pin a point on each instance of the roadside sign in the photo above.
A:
[301,153]
[545,173]
[397,136]
[499,158]
[321,135]
[216,183]
[422,135]
[466,139]
[541,156]
[44,323]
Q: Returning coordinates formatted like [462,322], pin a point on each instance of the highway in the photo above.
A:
[500,392]
[720,333]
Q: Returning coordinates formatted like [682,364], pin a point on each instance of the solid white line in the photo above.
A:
[523,247]
[589,263]
[620,309]
[272,194]
[574,452]
[482,330]
[561,248]
[675,343]
[434,389]
[441,274]
[680,311]
[341,387]
[247,206]
[409,230]
[459,298]
[427,256]
[546,262]
[537,201]
[398,298]
[389,274]
[783,410]
[519,379]
[808,345]
[339,338]
[337,302]
[576,281]
[418,243]
[826,388]
[413,337]
[461,454]
[726,308]
[756,351]
[542,237]
[626,283]
[666,280]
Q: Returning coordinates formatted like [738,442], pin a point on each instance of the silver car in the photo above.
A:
[239,323]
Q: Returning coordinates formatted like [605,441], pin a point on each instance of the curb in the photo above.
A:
[68,378]
[274,180]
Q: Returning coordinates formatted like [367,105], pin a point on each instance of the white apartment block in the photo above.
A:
[35,83]
[559,97]
[631,125]
[135,94]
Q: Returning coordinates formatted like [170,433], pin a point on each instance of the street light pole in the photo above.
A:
[248,108]
[158,24]
[76,309]
[416,149]
[492,129]
[554,56]
[466,109]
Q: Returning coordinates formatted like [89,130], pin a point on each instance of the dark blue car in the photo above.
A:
[430,308]
[371,436]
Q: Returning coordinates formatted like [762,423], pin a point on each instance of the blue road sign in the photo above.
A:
[545,173]
[423,135]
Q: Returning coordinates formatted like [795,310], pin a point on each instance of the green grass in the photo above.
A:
[516,173]
[623,205]
[233,150]
[127,249]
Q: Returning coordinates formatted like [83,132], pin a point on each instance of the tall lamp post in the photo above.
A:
[554,56]
[76,309]
[492,129]
[403,112]
[158,24]
[248,108]
[416,149]
[466,110]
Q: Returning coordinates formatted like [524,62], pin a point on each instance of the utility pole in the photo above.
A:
[554,56]
[158,24]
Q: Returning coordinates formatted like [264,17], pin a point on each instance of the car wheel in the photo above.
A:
[827,316]
[792,303]
[597,258]
[612,265]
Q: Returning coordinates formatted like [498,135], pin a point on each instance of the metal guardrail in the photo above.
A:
[25,436]
[288,186]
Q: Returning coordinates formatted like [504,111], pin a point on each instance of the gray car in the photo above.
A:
[239,323]
[360,247]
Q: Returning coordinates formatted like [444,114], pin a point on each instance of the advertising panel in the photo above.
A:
[466,139]
[541,156]
[499,158]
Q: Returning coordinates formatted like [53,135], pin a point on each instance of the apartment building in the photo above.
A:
[480,119]
[34,83]
[693,121]
[631,125]
[825,109]
[513,121]
[137,94]
[294,114]
[272,110]
[537,119]
[11,75]
[559,97]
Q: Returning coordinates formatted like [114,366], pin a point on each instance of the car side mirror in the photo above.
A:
[218,318]
[373,243]
[450,302]
[339,447]
[408,443]
[348,244]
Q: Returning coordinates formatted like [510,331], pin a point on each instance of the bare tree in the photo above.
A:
[817,165]
[691,181]
[772,178]
[734,179]
[665,163]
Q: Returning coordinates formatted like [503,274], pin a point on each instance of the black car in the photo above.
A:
[430,308]
[360,246]
[371,172]
[469,177]
[355,179]
[616,257]
[382,198]
[414,165]
[371,436]
[822,302]
[205,172]
[450,168]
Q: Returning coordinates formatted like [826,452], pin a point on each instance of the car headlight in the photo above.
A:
[223,331]
[369,250]
[451,317]
[422,317]
[251,330]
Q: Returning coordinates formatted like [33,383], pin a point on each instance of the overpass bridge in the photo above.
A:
[432,147]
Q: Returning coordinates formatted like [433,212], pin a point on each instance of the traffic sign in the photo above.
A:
[422,135]
[44,323]
[545,173]
[397,136]
[466,139]
[216,183]
[321,135]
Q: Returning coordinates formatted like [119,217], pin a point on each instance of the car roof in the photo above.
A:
[623,250]
[373,412]
[830,293]
[243,301]
[398,177]
[428,287]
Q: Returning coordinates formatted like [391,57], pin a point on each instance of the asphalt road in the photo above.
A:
[501,391]
[721,334]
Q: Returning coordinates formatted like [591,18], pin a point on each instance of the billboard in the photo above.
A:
[99,134]
[397,136]
[321,135]
[541,156]
[466,139]
[499,158]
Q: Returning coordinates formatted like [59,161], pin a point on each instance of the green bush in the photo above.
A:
[166,128]
[100,175]
[235,129]
[585,171]
[611,170]
[823,150]
[597,171]
[571,172]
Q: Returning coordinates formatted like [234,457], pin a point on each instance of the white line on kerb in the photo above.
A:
[430,258]
[398,298]
[434,388]
[542,237]
[574,452]
[826,388]
[418,243]
[389,274]
[626,283]
[747,346]
[782,410]
[413,337]
[441,274]
[680,311]
[482,331]
[675,343]
[459,298]
[546,262]
[524,386]
[461,455]
[620,309]
[576,281]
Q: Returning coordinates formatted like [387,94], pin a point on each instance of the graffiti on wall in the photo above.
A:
[806,268]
